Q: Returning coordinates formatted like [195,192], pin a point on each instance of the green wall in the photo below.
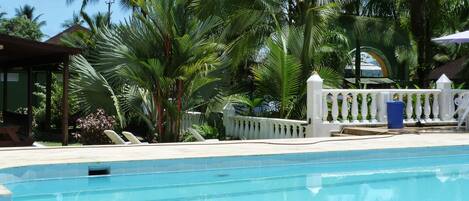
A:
[17,91]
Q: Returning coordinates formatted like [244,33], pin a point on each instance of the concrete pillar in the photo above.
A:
[228,111]
[314,107]
[445,98]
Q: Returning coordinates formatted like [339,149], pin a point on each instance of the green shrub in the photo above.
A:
[92,127]
[205,130]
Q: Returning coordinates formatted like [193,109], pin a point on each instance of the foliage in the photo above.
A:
[39,112]
[75,20]
[92,127]
[205,130]
[21,27]
[154,65]
[28,12]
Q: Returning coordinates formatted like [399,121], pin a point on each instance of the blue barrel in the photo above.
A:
[395,114]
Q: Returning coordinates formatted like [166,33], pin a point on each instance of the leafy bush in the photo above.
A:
[39,112]
[205,130]
[92,127]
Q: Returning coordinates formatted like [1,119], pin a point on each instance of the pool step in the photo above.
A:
[365,131]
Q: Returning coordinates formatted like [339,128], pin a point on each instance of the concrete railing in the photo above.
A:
[367,107]
[331,109]
[245,127]
[191,118]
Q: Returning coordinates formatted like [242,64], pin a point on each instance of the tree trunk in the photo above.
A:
[421,32]
[358,60]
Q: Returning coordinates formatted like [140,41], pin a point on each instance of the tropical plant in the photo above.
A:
[156,63]
[28,12]
[56,105]
[280,76]
[21,27]
[92,128]
[205,130]
[76,19]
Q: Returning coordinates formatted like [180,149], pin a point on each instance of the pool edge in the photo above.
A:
[5,194]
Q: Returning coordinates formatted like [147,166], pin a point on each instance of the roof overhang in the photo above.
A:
[19,52]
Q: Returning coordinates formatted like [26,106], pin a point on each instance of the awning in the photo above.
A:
[371,81]
[461,37]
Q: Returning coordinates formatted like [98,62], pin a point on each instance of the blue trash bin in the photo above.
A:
[395,114]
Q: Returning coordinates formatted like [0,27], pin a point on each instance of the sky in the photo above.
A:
[55,12]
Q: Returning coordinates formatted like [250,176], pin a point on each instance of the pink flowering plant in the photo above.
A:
[92,127]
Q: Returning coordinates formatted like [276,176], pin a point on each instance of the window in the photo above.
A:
[11,77]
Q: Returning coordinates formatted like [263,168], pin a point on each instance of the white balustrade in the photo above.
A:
[420,105]
[329,109]
[191,118]
[245,127]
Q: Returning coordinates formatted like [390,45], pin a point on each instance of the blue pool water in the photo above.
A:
[430,174]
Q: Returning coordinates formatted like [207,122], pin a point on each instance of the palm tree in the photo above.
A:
[425,19]
[280,75]
[28,12]
[155,64]
[127,4]
[75,20]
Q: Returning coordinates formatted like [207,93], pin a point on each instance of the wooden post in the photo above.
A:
[65,102]
[5,89]
[30,101]
[48,99]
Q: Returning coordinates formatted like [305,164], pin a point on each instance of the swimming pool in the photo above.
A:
[438,173]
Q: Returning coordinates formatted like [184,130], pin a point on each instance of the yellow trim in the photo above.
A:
[381,63]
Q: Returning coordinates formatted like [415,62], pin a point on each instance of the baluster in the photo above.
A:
[325,108]
[279,131]
[401,97]
[452,107]
[354,108]
[288,131]
[436,107]
[294,134]
[235,131]
[426,108]
[418,107]
[246,129]
[282,130]
[235,128]
[241,128]
[253,129]
[273,132]
[409,109]
[344,108]
[373,108]
[335,108]
[364,109]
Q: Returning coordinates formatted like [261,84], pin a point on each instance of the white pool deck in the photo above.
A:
[14,157]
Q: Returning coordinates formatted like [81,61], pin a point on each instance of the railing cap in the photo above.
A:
[315,77]
[444,79]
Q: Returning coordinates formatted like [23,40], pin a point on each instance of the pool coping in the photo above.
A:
[20,157]
[5,194]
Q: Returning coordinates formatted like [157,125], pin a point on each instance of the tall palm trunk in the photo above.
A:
[358,60]
[420,28]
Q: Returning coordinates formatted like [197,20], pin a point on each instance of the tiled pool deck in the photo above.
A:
[14,157]
[17,157]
